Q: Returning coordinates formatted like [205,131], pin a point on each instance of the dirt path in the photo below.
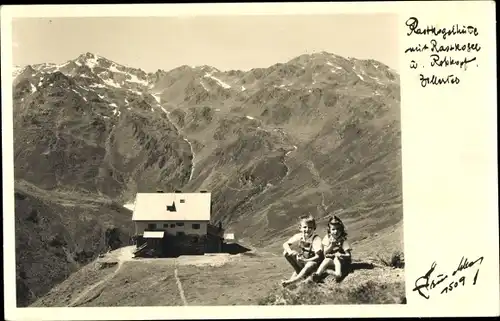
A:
[179,286]
[122,255]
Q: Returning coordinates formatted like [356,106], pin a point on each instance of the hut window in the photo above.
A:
[171,208]
[196,226]
[172,225]
[151,226]
[165,225]
[183,201]
[179,224]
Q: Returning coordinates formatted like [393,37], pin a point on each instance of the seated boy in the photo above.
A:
[310,253]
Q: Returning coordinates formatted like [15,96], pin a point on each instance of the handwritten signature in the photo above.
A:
[430,281]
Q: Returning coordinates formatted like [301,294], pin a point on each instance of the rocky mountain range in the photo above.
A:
[318,134]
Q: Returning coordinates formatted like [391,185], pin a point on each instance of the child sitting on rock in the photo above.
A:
[307,259]
[336,249]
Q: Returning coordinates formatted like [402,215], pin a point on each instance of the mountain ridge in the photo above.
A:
[320,54]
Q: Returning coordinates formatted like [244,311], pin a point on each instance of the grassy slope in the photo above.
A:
[246,279]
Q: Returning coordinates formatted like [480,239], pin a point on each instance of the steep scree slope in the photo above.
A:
[57,233]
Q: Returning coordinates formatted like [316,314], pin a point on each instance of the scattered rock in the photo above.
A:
[105,264]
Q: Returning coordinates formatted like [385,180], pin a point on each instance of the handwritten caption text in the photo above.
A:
[451,47]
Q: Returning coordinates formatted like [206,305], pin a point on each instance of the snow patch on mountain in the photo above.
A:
[114,69]
[157,98]
[64,64]
[377,80]
[111,82]
[135,79]
[192,160]
[204,86]
[220,82]
[91,62]
[283,87]
[129,206]
[135,92]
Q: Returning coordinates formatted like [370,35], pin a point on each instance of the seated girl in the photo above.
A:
[336,249]
[309,256]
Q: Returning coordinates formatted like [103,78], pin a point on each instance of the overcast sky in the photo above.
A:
[225,42]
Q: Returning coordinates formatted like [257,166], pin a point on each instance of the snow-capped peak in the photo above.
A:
[88,59]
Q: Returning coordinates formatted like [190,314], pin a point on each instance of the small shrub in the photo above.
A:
[395,260]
